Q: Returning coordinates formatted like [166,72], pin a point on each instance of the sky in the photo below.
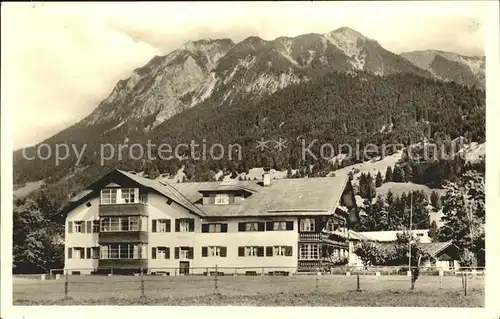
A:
[59,60]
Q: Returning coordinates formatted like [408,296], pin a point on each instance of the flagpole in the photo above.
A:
[409,240]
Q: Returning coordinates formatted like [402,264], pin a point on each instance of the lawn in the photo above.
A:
[326,290]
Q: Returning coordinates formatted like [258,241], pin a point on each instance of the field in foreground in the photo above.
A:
[330,290]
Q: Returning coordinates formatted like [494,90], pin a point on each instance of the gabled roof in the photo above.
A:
[391,235]
[156,185]
[165,189]
[306,196]
[433,249]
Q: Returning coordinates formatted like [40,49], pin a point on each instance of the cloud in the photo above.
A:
[59,60]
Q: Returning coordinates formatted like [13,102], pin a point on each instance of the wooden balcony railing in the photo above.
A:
[321,238]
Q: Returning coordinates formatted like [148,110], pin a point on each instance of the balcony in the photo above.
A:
[123,264]
[320,238]
[134,209]
[123,237]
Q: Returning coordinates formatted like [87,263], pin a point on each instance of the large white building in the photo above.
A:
[124,223]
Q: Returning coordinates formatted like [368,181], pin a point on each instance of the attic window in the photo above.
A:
[221,199]
[89,204]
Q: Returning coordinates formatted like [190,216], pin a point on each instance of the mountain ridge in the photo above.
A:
[219,89]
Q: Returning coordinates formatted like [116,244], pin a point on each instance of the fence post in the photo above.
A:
[317,280]
[358,288]
[465,285]
[66,285]
[142,285]
[216,281]
[462,277]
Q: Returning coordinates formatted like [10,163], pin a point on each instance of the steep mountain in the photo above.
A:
[338,87]
[450,66]
[254,67]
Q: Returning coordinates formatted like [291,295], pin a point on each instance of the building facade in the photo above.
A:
[126,223]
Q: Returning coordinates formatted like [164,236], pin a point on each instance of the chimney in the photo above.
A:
[266,177]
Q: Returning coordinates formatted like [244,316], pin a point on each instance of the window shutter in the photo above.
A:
[204,228]
[70,253]
[269,226]
[168,226]
[95,226]
[83,227]
[153,252]
[288,251]
[204,251]
[89,226]
[176,252]
[89,253]
[223,251]
[241,251]
[167,252]
[269,251]
[223,228]
[261,226]
[260,251]
[70,227]
[191,253]
[191,225]
[241,226]
[177,225]
[154,225]
[289,225]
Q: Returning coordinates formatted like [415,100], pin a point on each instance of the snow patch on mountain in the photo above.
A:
[246,63]
[206,91]
[287,44]
[270,84]
[115,127]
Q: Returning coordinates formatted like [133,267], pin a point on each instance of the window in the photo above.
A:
[143,198]
[135,223]
[95,226]
[108,196]
[282,250]
[214,251]
[307,224]
[250,251]
[279,226]
[79,253]
[115,224]
[251,226]
[309,251]
[161,226]
[221,199]
[95,252]
[160,253]
[121,196]
[214,228]
[184,252]
[184,225]
[78,227]
[122,251]
[128,195]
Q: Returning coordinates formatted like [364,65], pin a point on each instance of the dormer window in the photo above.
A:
[221,199]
